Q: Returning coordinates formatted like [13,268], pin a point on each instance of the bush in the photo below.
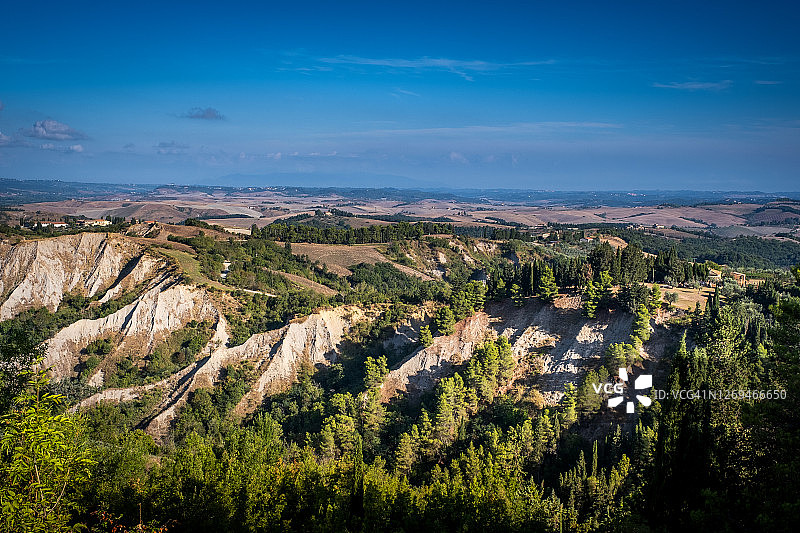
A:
[100,347]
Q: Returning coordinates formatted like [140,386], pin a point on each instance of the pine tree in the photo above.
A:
[590,298]
[404,456]
[547,288]
[460,305]
[498,287]
[569,403]
[641,324]
[604,287]
[505,360]
[374,371]
[516,295]
[445,321]
[425,336]
[655,299]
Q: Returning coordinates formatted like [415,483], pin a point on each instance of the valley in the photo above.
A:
[415,345]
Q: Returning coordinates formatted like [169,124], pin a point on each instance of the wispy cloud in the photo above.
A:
[403,92]
[208,113]
[517,128]
[767,82]
[464,68]
[458,157]
[8,141]
[696,85]
[54,131]
[72,149]
[2,105]
[170,148]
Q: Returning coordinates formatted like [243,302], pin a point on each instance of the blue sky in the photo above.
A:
[540,95]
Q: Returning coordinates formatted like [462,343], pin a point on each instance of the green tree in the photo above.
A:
[44,460]
[18,351]
[445,321]
[620,355]
[588,400]
[425,336]
[404,456]
[631,296]
[516,295]
[547,288]
[655,298]
[641,324]
[374,371]
[590,298]
[672,297]
[604,289]
[569,403]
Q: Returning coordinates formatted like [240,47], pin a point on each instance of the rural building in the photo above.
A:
[97,222]
[739,278]
[48,223]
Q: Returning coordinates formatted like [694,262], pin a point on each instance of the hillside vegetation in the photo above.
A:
[448,387]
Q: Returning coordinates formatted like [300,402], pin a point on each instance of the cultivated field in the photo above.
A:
[243,208]
[337,257]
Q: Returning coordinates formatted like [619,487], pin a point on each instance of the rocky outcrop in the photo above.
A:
[421,370]
[39,273]
[562,341]
[275,355]
[164,308]
[558,337]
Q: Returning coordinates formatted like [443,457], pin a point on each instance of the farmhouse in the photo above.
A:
[97,222]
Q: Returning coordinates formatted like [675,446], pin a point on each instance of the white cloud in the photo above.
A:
[767,82]
[53,130]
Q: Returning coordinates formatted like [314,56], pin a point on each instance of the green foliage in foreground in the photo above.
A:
[44,460]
